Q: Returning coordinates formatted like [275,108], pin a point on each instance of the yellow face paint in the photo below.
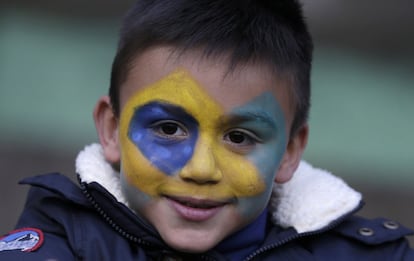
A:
[158,165]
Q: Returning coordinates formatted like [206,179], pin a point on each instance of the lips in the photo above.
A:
[196,210]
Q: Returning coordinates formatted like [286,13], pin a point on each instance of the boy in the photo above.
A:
[201,138]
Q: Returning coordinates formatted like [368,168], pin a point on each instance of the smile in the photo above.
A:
[195,210]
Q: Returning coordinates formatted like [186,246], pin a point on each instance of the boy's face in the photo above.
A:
[200,147]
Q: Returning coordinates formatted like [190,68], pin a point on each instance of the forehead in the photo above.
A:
[229,89]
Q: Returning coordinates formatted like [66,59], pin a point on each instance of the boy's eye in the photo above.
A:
[169,129]
[237,137]
[241,141]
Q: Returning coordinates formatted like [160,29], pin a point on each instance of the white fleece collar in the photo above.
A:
[311,200]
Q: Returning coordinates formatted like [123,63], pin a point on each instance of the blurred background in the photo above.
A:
[55,59]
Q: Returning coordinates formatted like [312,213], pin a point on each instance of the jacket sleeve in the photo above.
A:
[51,247]
[59,224]
[42,229]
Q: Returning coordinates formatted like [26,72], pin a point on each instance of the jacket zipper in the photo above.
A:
[109,220]
[279,243]
[301,235]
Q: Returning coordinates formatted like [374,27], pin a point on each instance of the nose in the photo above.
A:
[202,167]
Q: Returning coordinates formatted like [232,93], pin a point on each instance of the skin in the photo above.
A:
[198,159]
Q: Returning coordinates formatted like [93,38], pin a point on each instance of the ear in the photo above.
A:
[293,155]
[106,123]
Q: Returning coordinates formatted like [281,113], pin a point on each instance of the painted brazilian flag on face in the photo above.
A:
[172,131]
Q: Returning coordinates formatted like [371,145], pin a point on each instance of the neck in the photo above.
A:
[243,242]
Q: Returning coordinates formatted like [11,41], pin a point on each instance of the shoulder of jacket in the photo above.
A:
[372,231]
[57,185]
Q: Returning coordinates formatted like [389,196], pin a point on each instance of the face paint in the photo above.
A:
[173,132]
[263,116]
[157,130]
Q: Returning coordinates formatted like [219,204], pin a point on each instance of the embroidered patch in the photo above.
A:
[25,239]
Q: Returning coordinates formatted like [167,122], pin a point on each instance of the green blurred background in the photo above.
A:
[55,59]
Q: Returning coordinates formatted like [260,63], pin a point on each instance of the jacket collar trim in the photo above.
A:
[310,201]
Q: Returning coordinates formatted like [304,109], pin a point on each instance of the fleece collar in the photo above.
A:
[311,200]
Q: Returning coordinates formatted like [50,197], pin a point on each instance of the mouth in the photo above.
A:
[193,209]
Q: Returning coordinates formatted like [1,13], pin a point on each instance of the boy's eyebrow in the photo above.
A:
[170,107]
[234,119]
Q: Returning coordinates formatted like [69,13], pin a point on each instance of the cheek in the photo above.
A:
[239,173]
[138,171]
[136,198]
[250,207]
[253,175]
[268,157]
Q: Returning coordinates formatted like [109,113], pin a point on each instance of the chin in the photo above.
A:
[193,238]
[191,245]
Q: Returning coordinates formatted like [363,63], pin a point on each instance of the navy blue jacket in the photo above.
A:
[87,223]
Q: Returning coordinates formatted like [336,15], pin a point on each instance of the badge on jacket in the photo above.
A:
[24,239]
